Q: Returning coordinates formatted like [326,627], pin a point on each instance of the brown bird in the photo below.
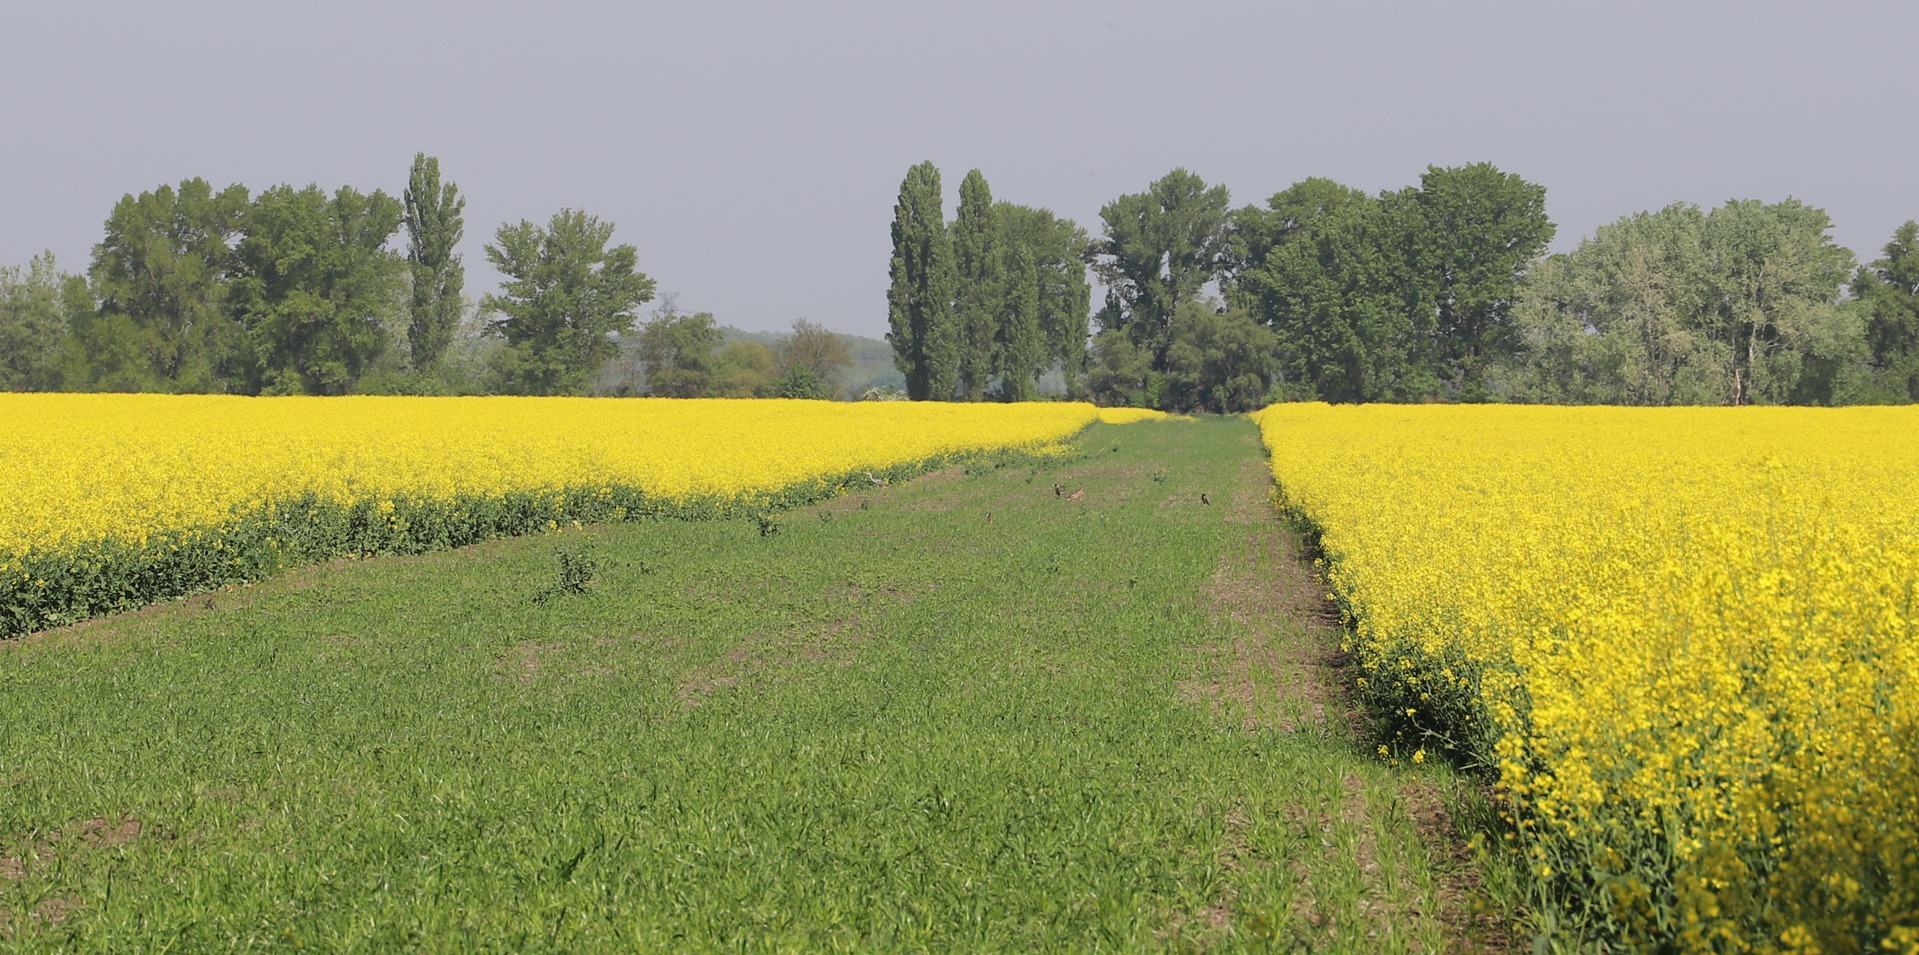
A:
[989,519]
[1057,490]
[1076,495]
[1203,499]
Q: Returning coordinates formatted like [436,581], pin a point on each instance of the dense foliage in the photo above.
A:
[1681,639]
[434,226]
[566,294]
[1741,305]
[983,305]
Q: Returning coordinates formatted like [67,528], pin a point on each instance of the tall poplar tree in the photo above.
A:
[1058,247]
[434,226]
[1019,343]
[977,307]
[1483,229]
[919,300]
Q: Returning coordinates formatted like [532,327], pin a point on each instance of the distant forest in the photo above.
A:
[1439,291]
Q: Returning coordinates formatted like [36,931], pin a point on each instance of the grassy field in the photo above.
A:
[966,712]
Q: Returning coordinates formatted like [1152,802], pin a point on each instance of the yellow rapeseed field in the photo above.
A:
[82,467]
[1684,639]
[120,479]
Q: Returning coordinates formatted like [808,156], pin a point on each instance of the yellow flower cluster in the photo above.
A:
[78,468]
[1131,415]
[1685,639]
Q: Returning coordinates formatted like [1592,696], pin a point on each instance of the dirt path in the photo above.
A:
[1280,669]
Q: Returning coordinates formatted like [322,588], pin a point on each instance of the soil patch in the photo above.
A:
[834,642]
[1280,666]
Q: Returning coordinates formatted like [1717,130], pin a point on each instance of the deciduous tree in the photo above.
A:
[1119,373]
[1338,280]
[1220,360]
[161,277]
[34,310]
[1776,282]
[1254,232]
[564,294]
[1020,341]
[677,353]
[315,288]
[1159,249]
[744,369]
[1740,305]
[1058,248]
[1889,291]
[820,353]
[1483,228]
[979,262]
[1621,319]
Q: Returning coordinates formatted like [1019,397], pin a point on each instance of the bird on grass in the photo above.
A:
[1058,490]
[1203,499]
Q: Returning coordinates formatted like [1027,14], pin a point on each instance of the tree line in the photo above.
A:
[987,302]
[304,292]
[1434,292]
[677,355]
[1439,291]
[300,291]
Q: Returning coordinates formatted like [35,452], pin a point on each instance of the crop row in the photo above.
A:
[1683,640]
[111,501]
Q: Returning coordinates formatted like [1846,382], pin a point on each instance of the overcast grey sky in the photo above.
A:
[752,152]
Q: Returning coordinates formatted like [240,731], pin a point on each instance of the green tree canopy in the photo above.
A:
[822,354]
[1254,233]
[315,287]
[744,369]
[1622,319]
[677,353]
[1019,344]
[36,304]
[1160,248]
[565,294]
[1736,306]
[1335,275]
[978,262]
[919,297]
[161,277]
[1889,291]
[435,223]
[1119,373]
[1776,283]
[1483,228]
[1058,249]
[1220,360]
